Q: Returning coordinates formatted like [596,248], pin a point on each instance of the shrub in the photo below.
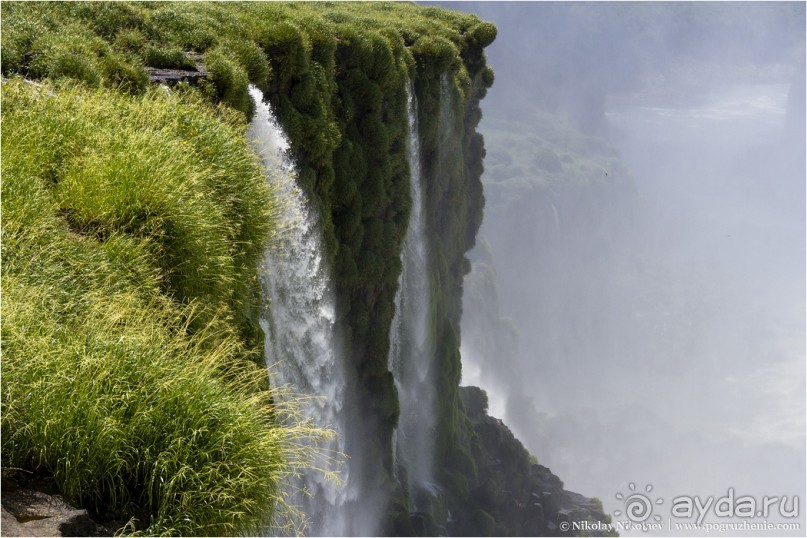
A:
[11,53]
[73,64]
[167,58]
[488,77]
[71,54]
[253,60]
[184,27]
[288,49]
[130,40]
[123,75]
[483,34]
[347,134]
[125,413]
[108,18]
[230,80]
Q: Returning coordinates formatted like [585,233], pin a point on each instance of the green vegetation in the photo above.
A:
[131,231]
[336,75]
[513,495]
[541,168]
[541,150]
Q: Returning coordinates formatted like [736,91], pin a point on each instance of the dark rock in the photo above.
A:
[511,495]
[582,502]
[535,516]
[422,524]
[29,504]
[34,513]
[475,401]
[9,525]
[175,76]
[172,77]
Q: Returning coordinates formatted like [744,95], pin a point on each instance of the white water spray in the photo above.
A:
[299,326]
[411,348]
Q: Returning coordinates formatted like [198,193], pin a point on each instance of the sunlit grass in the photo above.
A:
[132,228]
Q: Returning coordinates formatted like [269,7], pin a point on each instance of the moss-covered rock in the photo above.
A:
[511,495]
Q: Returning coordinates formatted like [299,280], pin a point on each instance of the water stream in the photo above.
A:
[411,353]
[300,345]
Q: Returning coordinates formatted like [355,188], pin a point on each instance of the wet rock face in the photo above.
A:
[34,513]
[512,495]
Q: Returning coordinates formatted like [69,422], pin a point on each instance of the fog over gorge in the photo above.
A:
[636,307]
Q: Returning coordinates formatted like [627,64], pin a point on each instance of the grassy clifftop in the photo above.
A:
[156,192]
[131,230]
[114,43]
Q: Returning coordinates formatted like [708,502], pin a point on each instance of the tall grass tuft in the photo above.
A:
[131,232]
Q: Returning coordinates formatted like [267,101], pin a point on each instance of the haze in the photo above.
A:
[636,309]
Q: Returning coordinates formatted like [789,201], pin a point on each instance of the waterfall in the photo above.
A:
[300,346]
[556,217]
[411,353]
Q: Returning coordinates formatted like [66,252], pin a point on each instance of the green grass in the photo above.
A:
[111,43]
[131,232]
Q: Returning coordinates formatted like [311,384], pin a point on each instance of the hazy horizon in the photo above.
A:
[656,318]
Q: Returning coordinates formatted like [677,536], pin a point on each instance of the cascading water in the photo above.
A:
[299,326]
[411,353]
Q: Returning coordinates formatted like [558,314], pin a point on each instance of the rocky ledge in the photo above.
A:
[172,77]
[513,494]
[27,512]
[175,76]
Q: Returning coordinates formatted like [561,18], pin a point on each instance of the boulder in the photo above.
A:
[175,76]
[34,513]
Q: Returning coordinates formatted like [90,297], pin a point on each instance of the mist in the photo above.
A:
[636,305]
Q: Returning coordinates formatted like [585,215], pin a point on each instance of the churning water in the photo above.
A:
[299,324]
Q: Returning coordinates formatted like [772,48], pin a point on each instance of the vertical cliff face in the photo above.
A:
[363,189]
